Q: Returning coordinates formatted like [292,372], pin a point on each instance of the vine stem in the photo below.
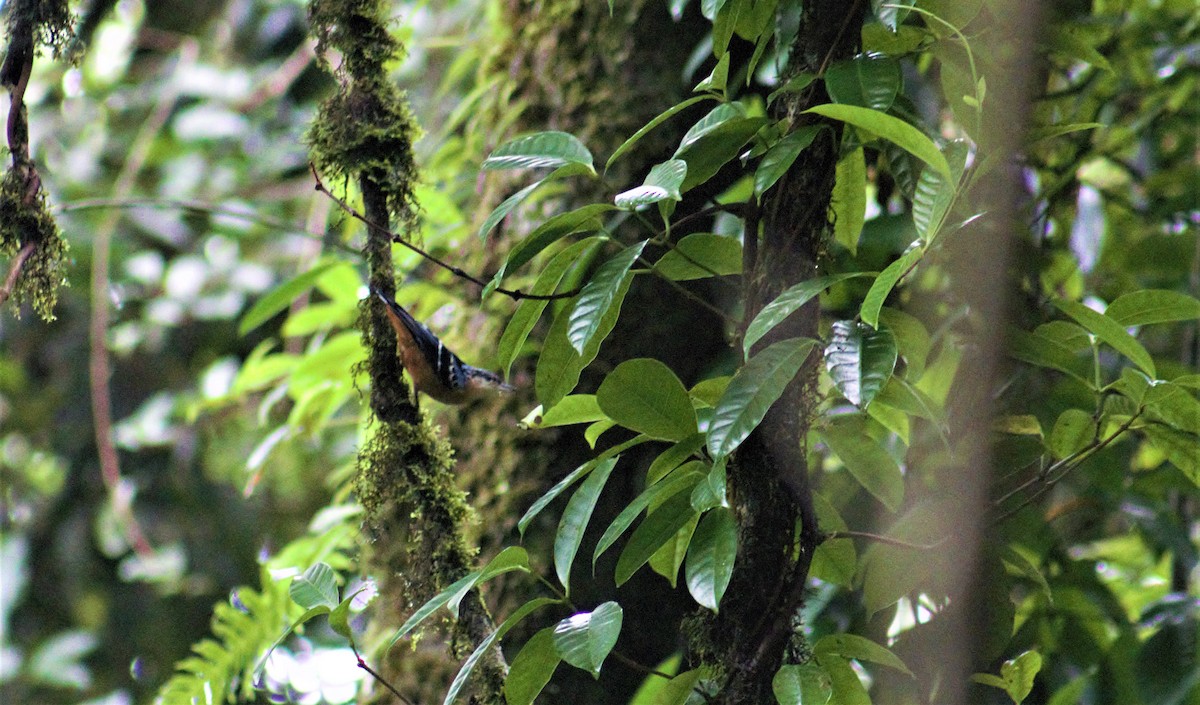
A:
[514,294]
[884,539]
[376,675]
[14,271]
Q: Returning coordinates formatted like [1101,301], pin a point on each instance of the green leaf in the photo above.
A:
[874,468]
[585,639]
[464,673]
[673,457]
[543,149]
[644,395]
[339,618]
[316,587]
[531,669]
[931,202]
[710,557]
[575,519]
[1179,448]
[867,81]
[717,79]
[886,281]
[1042,351]
[507,205]
[889,572]
[574,476]
[849,200]
[530,310]
[712,491]
[679,689]
[892,129]
[661,184]
[852,646]
[667,560]
[1016,676]
[716,117]
[1146,306]
[559,365]
[780,157]
[804,684]
[788,303]
[912,340]
[1109,331]
[847,687]
[701,255]
[660,119]
[506,561]
[716,139]
[1051,131]
[282,296]
[659,527]
[752,391]
[580,220]
[1175,405]
[599,296]
[573,409]
[1073,430]
[682,480]
[795,84]
[860,360]
[834,560]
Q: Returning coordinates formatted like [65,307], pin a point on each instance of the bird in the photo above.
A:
[434,368]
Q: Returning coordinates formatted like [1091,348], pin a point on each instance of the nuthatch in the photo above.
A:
[434,369]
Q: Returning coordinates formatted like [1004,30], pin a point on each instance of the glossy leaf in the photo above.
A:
[860,360]
[852,646]
[673,457]
[530,310]
[659,527]
[752,391]
[788,303]
[678,690]
[1016,676]
[849,201]
[669,557]
[580,220]
[509,204]
[464,673]
[893,129]
[585,639]
[913,342]
[575,519]
[803,684]
[1045,352]
[282,296]
[1175,405]
[573,477]
[844,681]
[542,149]
[780,157]
[701,255]
[1147,306]
[644,395]
[1073,430]
[531,669]
[874,468]
[886,281]
[316,587]
[661,184]
[681,481]
[599,296]
[834,560]
[716,117]
[710,557]
[1109,331]
[867,81]
[573,409]
[560,365]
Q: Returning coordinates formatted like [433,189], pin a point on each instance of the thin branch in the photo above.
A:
[374,674]
[14,271]
[641,668]
[514,294]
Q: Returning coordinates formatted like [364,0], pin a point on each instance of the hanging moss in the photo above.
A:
[46,268]
[51,23]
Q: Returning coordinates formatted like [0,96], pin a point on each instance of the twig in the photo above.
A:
[363,665]
[14,271]
[641,668]
[515,294]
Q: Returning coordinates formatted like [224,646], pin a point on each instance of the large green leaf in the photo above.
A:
[543,149]
[644,395]
[716,117]
[1047,352]
[874,468]
[316,587]
[580,220]
[659,527]
[1109,331]
[849,201]
[716,139]
[682,480]
[834,561]
[788,303]
[804,684]
[780,157]
[531,669]
[847,687]
[530,310]
[1175,405]
[912,339]
[464,673]
[575,519]
[573,409]
[867,81]
[507,205]
[669,557]
[658,120]
[860,360]
[701,255]
[860,649]
[661,184]
[886,281]
[584,640]
[560,365]
[573,477]
[599,296]
[892,129]
[1073,430]
[1016,676]
[710,557]
[752,391]
[1146,306]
